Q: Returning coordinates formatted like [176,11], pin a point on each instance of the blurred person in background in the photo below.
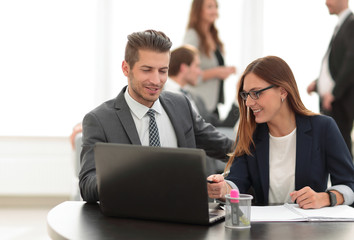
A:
[184,70]
[335,84]
[203,34]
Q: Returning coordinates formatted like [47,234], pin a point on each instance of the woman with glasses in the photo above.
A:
[284,152]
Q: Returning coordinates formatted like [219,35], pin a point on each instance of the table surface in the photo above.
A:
[80,220]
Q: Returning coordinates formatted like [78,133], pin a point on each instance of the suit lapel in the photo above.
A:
[125,117]
[262,156]
[343,26]
[303,151]
[338,38]
[167,104]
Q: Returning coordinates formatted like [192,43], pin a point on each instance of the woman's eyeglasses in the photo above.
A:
[253,94]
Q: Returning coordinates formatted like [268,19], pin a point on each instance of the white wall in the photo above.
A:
[48,67]
[36,166]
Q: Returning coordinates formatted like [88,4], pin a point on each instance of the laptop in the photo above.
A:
[154,183]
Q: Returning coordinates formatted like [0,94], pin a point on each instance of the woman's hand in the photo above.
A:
[307,198]
[225,72]
[218,72]
[218,188]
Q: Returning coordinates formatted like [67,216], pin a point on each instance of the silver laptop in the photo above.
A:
[154,183]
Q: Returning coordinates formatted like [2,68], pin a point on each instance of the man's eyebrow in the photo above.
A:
[146,66]
[150,67]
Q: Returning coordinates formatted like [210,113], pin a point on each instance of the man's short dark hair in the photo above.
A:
[182,55]
[147,40]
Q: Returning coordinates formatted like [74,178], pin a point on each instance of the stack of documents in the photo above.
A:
[292,212]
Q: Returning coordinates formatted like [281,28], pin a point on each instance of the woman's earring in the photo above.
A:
[282,100]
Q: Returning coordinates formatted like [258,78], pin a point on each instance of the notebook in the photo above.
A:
[292,212]
[154,183]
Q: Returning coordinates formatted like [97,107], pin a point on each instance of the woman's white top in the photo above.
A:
[282,161]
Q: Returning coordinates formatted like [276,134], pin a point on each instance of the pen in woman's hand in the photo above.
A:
[224,174]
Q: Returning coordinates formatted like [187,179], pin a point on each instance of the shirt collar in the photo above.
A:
[343,15]
[172,86]
[138,109]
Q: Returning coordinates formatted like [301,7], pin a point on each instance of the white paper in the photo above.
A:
[292,212]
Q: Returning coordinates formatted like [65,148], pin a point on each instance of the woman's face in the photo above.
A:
[209,11]
[267,107]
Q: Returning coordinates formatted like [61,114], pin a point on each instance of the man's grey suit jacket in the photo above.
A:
[112,122]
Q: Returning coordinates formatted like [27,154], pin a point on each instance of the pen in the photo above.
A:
[224,174]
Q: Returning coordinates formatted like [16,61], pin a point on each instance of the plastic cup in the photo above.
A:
[238,211]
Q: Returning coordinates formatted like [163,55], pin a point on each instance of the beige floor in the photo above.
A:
[25,218]
[23,223]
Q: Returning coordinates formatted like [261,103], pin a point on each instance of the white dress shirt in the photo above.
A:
[325,80]
[172,86]
[141,119]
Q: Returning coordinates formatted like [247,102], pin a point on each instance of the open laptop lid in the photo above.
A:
[155,183]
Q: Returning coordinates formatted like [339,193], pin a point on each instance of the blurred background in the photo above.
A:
[61,58]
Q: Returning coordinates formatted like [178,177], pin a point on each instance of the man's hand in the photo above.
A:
[311,88]
[327,100]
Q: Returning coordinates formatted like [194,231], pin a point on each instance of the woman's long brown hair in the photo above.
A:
[195,23]
[275,71]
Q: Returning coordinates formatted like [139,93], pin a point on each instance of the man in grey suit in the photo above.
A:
[124,119]
[335,84]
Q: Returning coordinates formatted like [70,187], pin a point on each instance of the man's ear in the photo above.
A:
[125,68]
[183,67]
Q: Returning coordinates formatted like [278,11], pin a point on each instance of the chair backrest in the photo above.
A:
[78,147]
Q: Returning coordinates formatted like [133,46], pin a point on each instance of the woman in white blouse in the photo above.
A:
[284,152]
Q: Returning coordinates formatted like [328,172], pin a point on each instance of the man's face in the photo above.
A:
[193,72]
[336,6]
[148,76]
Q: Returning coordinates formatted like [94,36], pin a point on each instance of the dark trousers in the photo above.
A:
[344,119]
